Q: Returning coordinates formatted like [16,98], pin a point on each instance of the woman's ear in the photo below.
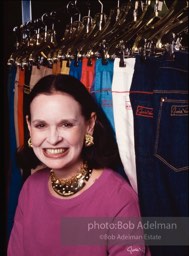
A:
[91,124]
[28,124]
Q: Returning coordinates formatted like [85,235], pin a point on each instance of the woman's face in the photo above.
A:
[57,129]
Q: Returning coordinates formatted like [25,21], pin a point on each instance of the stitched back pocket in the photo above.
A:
[171,140]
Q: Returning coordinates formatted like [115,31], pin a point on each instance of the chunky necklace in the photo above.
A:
[69,187]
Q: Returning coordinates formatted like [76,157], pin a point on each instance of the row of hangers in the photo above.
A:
[135,27]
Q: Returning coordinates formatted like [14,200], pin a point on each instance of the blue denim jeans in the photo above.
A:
[141,96]
[159,97]
[171,134]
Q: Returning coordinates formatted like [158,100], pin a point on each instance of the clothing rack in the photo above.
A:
[145,98]
[148,28]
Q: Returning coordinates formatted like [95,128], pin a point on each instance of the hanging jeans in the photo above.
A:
[20,118]
[102,88]
[56,67]
[141,96]
[37,73]
[171,134]
[65,70]
[16,105]
[75,71]
[171,140]
[159,100]
[123,117]
[87,74]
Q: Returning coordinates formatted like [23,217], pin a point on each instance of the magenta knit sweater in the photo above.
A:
[49,226]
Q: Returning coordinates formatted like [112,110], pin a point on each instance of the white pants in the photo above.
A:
[123,117]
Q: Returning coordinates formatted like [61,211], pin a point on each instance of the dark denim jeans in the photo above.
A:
[159,97]
[171,134]
[141,96]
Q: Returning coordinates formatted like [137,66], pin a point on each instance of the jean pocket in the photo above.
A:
[171,140]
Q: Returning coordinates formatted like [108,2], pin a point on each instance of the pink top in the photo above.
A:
[48,226]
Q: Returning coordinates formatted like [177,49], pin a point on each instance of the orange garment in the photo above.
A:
[58,67]
[20,107]
[16,105]
[87,74]
[54,68]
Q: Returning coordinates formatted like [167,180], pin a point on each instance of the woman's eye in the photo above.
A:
[40,126]
[67,125]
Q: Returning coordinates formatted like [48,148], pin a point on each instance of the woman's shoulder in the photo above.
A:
[117,195]
[117,179]
[37,177]
[118,185]
[33,187]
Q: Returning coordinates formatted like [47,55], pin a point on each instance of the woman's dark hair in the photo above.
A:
[104,152]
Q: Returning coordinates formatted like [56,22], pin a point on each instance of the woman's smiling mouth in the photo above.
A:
[55,152]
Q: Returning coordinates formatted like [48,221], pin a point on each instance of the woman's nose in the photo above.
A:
[54,137]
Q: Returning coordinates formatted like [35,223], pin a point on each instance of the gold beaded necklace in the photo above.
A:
[69,187]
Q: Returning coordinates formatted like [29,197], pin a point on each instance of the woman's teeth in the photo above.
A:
[55,150]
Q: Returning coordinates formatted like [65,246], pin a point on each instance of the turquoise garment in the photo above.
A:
[102,88]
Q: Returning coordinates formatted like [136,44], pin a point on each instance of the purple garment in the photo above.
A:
[38,228]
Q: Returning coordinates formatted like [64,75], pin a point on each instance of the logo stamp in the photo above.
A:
[144,111]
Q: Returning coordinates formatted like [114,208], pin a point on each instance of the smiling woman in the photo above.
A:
[71,137]
[58,138]
[60,108]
